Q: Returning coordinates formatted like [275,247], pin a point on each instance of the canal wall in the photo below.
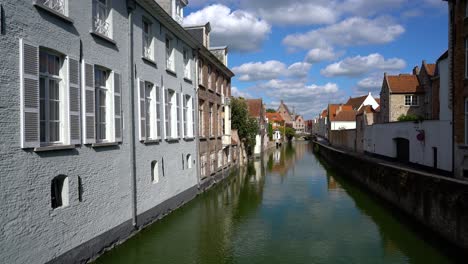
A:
[438,203]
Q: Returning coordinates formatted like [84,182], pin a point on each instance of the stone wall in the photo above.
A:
[398,107]
[343,138]
[438,203]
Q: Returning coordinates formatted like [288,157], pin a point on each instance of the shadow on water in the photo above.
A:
[287,207]
[394,225]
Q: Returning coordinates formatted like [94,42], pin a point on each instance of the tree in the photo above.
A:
[290,133]
[246,126]
[270,131]
[271,110]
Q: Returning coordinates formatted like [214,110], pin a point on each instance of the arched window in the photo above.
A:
[154,172]
[59,191]
[189,161]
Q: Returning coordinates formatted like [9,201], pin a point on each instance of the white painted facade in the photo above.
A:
[379,139]
[370,100]
[444,91]
[342,125]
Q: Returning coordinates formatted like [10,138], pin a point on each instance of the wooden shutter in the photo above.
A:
[159,109]
[167,114]
[29,92]
[89,100]
[142,109]
[74,100]
[118,107]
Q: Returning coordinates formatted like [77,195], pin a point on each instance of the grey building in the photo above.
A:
[84,160]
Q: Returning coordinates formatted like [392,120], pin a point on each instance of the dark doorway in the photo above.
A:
[434,155]
[403,149]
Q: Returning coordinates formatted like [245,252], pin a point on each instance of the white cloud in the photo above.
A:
[319,54]
[351,31]
[299,13]
[238,93]
[355,66]
[370,83]
[238,29]
[256,71]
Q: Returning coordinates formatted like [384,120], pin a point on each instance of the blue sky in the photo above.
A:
[313,52]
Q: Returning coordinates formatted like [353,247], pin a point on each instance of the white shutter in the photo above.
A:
[74,100]
[29,91]
[180,116]
[167,114]
[193,117]
[118,107]
[89,100]
[159,123]
[142,109]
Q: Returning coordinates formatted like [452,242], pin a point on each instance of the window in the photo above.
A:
[220,158]
[151,118]
[170,65]
[171,114]
[220,122]
[211,132]
[212,163]
[188,116]
[58,6]
[51,98]
[147,40]
[203,166]
[411,100]
[200,72]
[189,161]
[154,172]
[201,118]
[179,12]
[102,18]
[59,191]
[80,189]
[466,120]
[187,64]
[101,80]
[210,77]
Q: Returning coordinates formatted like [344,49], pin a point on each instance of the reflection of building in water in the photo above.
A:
[301,148]
[277,156]
[332,184]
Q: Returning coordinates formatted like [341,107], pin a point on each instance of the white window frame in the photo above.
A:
[147,39]
[210,77]
[154,171]
[200,72]
[220,158]
[170,62]
[189,161]
[413,100]
[203,165]
[109,106]
[211,117]
[201,118]
[63,182]
[212,163]
[187,64]
[56,6]
[151,111]
[62,99]
[102,18]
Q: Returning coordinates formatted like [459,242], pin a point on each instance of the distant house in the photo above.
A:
[401,95]
[341,117]
[299,124]
[257,110]
[287,115]
[358,102]
[321,127]
[425,76]
[275,119]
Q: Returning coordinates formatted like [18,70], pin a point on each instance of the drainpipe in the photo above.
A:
[131,5]
[195,119]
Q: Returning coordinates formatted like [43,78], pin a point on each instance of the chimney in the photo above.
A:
[415,70]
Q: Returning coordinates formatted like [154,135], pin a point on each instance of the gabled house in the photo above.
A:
[341,117]
[358,102]
[287,115]
[425,75]
[257,111]
[401,95]
[299,124]
[275,120]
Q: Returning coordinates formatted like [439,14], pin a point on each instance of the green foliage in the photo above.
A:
[410,117]
[270,131]
[290,133]
[270,110]
[246,126]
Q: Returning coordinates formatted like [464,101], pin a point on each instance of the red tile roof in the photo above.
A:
[356,102]
[404,83]
[275,117]
[346,115]
[430,69]
[324,113]
[255,107]
[365,109]
[335,109]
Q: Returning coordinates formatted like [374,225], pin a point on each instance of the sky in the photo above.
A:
[313,52]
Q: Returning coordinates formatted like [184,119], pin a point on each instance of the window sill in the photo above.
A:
[172,139]
[149,61]
[212,137]
[54,148]
[103,37]
[151,141]
[188,80]
[189,138]
[104,144]
[201,85]
[202,138]
[60,15]
[171,72]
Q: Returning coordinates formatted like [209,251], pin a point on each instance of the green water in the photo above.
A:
[285,208]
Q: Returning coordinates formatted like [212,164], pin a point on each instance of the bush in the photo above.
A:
[404,118]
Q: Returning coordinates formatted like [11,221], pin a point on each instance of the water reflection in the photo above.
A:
[283,208]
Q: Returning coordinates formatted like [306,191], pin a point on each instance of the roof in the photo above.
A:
[254,106]
[298,116]
[324,113]
[276,117]
[366,109]
[404,83]
[377,100]
[285,107]
[335,109]
[356,102]
[430,69]
[346,115]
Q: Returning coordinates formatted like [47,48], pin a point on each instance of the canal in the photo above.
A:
[285,208]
